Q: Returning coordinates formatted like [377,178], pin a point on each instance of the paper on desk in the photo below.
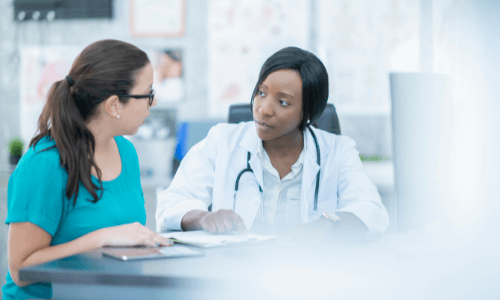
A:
[203,238]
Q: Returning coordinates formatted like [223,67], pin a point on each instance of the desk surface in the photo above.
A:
[385,269]
[217,264]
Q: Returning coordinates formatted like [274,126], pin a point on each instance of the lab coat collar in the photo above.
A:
[250,143]
[324,144]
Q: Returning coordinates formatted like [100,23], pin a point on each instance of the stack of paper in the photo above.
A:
[205,239]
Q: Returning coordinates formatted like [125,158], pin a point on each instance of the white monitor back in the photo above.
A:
[422,127]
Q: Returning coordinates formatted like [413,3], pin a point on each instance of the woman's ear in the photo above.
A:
[113,107]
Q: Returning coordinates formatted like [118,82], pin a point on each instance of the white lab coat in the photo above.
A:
[208,173]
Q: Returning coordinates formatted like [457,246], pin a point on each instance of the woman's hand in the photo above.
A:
[29,244]
[221,221]
[133,234]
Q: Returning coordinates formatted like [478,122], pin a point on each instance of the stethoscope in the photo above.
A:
[249,169]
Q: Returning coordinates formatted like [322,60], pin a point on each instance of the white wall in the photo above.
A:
[372,133]
[15,35]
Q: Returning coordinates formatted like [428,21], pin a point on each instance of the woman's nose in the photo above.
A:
[266,108]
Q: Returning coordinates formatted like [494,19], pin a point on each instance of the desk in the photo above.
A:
[349,270]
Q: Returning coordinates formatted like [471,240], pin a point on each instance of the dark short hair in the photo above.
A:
[314,79]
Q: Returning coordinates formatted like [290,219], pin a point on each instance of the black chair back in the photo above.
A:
[328,121]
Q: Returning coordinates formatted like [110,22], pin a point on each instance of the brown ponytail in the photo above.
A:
[103,69]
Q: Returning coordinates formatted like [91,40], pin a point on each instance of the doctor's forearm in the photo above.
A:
[191,220]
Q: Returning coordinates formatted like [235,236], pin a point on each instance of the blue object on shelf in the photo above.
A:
[182,135]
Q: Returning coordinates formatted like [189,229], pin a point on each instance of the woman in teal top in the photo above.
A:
[78,186]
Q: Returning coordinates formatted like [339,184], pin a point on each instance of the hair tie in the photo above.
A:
[70,81]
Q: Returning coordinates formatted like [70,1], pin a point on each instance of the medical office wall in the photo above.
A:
[223,44]
[44,41]
[358,41]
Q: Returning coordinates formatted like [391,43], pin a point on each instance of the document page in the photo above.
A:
[203,238]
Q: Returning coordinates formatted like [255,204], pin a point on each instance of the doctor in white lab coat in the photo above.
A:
[280,191]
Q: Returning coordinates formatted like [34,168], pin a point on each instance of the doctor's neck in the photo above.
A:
[290,143]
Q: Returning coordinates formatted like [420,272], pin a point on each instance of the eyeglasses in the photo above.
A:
[151,96]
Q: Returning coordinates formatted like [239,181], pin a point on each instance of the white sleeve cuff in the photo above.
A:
[172,218]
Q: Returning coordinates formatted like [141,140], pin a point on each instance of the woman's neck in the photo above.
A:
[289,144]
[106,156]
[103,138]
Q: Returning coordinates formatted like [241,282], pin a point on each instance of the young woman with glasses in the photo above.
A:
[78,186]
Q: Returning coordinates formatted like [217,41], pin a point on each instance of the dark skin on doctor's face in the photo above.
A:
[277,107]
[278,112]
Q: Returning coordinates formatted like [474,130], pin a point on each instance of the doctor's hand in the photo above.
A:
[221,221]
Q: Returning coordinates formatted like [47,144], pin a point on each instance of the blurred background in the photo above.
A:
[207,56]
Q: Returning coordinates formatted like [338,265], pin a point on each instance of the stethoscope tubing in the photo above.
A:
[249,169]
[318,160]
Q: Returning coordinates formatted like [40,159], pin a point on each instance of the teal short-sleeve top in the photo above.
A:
[36,194]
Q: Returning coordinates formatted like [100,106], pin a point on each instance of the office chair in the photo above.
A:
[328,121]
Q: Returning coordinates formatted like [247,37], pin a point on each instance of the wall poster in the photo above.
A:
[242,35]
[157,18]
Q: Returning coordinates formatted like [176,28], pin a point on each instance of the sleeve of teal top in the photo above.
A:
[36,192]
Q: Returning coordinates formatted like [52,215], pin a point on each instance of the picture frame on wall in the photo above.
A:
[157,18]
[169,81]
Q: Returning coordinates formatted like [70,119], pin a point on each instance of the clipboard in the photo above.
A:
[134,253]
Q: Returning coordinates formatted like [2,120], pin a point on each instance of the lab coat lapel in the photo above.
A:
[249,197]
[248,214]
[256,165]
[250,143]
[310,170]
